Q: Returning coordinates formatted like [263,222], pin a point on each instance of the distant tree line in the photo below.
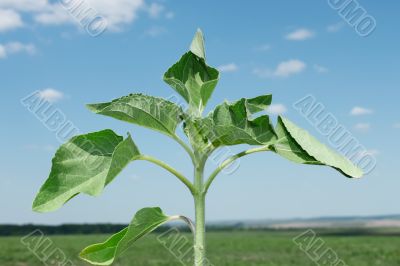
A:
[87,229]
[65,229]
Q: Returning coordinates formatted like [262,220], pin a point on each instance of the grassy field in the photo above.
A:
[224,248]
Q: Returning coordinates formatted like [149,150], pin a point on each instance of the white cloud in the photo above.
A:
[283,70]
[56,15]
[277,109]
[16,47]
[9,20]
[290,67]
[396,125]
[357,110]
[362,126]
[155,10]
[300,35]
[24,5]
[335,27]
[232,67]
[117,13]
[320,69]
[51,95]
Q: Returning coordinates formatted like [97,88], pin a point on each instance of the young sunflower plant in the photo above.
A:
[89,162]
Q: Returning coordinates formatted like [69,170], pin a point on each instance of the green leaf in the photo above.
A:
[147,111]
[145,221]
[85,164]
[192,78]
[233,123]
[299,146]
[197,46]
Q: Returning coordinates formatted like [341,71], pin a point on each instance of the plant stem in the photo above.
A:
[186,220]
[169,169]
[230,160]
[185,146]
[199,202]
[199,237]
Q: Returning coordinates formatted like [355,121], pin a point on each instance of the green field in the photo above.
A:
[224,248]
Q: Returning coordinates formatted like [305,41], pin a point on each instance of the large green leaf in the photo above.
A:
[233,123]
[192,78]
[299,146]
[151,112]
[85,164]
[145,221]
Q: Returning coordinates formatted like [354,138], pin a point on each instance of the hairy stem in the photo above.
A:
[169,169]
[230,160]
[200,233]
[199,202]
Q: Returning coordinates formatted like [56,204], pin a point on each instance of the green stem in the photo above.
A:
[189,222]
[185,146]
[228,161]
[199,202]
[200,232]
[169,169]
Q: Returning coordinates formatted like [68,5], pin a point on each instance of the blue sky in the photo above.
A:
[288,48]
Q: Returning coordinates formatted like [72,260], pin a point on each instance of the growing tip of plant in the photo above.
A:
[197,45]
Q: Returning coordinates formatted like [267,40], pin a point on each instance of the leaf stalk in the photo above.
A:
[170,169]
[230,160]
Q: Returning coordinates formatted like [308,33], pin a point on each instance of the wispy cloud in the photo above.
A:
[231,67]
[155,31]
[290,67]
[3,53]
[51,95]
[362,127]
[170,15]
[300,35]
[9,20]
[335,27]
[263,48]
[357,110]
[16,47]
[155,10]
[320,69]
[277,109]
[283,70]
[396,125]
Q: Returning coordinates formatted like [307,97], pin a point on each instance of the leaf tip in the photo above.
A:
[36,206]
[197,45]
[91,107]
